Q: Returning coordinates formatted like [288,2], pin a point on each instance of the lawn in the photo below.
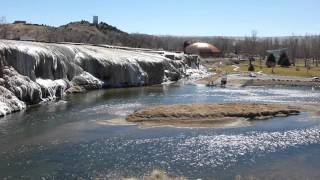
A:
[298,70]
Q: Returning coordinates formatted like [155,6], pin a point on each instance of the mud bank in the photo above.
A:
[203,115]
[157,175]
[279,82]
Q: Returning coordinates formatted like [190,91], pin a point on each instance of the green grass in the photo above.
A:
[299,70]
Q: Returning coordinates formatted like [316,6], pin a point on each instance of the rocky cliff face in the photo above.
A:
[34,72]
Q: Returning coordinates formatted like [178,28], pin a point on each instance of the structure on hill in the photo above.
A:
[204,50]
[20,22]
[27,38]
[95,20]
[3,20]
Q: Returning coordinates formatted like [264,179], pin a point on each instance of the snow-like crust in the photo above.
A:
[9,103]
[44,71]
[65,61]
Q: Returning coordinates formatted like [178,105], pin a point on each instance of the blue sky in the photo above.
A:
[177,17]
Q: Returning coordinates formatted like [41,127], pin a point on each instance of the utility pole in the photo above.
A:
[3,20]
[1,65]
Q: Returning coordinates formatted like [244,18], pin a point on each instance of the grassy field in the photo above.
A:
[299,70]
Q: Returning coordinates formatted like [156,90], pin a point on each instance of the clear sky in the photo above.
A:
[177,17]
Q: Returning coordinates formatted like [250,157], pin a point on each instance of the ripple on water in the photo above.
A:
[225,149]
[186,154]
[259,94]
[190,154]
[114,109]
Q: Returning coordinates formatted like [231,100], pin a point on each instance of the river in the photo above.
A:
[72,139]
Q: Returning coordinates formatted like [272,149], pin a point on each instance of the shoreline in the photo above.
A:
[240,80]
[278,82]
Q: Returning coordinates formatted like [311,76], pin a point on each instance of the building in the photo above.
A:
[20,22]
[204,50]
[95,20]
[3,20]
[277,52]
[27,38]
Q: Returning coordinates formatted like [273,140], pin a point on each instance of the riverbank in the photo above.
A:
[293,71]
[243,80]
[209,115]
[280,82]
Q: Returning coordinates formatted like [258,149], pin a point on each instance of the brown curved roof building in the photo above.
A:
[204,50]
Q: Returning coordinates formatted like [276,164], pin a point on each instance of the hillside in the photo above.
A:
[79,32]
[85,32]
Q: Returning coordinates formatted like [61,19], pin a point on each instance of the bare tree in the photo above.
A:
[315,50]
[306,48]
[252,44]
[293,45]
[276,43]
[318,50]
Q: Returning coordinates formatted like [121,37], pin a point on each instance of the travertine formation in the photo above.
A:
[35,71]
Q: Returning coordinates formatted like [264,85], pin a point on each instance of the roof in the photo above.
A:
[277,50]
[200,46]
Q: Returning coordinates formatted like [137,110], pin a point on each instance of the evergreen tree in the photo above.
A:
[284,60]
[271,61]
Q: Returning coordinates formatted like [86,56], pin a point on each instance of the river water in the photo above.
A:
[70,139]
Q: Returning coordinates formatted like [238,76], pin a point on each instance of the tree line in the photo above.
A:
[306,47]
[298,47]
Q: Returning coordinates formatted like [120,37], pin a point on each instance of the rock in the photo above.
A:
[2,82]
[192,60]
[87,81]
[172,76]
[9,102]
[22,86]
[76,89]
[53,89]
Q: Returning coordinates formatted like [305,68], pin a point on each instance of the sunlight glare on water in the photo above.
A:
[65,141]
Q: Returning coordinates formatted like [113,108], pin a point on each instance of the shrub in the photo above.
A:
[251,67]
